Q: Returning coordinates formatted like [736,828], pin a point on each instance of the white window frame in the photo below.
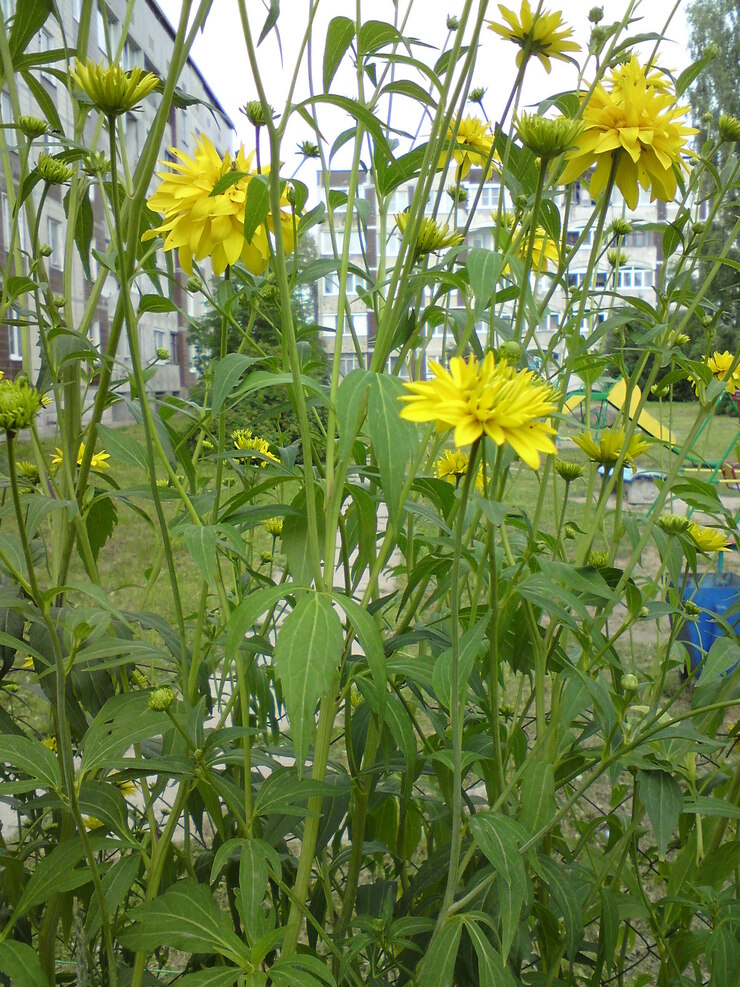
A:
[15,341]
[55,237]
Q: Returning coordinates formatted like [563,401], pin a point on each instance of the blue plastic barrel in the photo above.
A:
[717,593]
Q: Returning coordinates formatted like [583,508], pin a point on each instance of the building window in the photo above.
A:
[173,347]
[114,32]
[131,55]
[131,136]
[489,194]
[6,217]
[331,285]
[44,46]
[56,242]
[160,339]
[403,370]
[8,8]
[481,239]
[635,277]
[347,363]
[14,336]
[359,323]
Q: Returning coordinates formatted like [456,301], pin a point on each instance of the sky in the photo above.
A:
[219,52]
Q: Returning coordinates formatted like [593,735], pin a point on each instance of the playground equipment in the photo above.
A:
[718,595]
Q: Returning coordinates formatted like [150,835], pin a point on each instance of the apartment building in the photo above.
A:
[148,43]
[634,276]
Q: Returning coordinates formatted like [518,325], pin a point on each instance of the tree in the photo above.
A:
[256,330]
[717,90]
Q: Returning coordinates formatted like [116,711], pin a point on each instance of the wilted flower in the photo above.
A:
[637,125]
[485,398]
[473,144]
[110,88]
[569,471]
[19,404]
[432,236]
[541,34]
[708,539]
[198,224]
[452,466]
[728,128]
[610,446]
[32,127]
[52,170]
[161,699]
[547,137]
[274,526]
[673,524]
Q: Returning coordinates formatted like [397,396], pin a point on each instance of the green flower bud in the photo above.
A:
[621,227]
[698,228]
[599,560]
[110,88]
[140,679]
[96,163]
[510,351]
[569,471]
[266,557]
[660,390]
[254,112]
[45,250]
[309,150]
[163,354]
[476,95]
[644,612]
[707,322]
[599,36]
[53,171]
[290,194]
[596,14]
[19,404]
[458,193]
[57,301]
[194,284]
[728,128]
[678,339]
[691,610]
[28,472]
[629,681]
[520,204]
[32,127]
[569,531]
[673,524]
[616,258]
[545,136]
[160,700]
[452,22]
[208,445]
[712,50]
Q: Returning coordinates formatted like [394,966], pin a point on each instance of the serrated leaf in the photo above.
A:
[394,440]
[257,206]
[307,654]
[202,543]
[124,720]
[100,521]
[663,800]
[32,758]
[339,36]
[185,917]
[228,371]
[484,270]
[123,447]
[21,965]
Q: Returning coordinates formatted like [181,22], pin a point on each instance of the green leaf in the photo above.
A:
[339,36]
[228,371]
[21,964]
[117,882]
[368,634]
[123,447]
[374,35]
[270,21]
[405,87]
[302,970]
[30,16]
[250,608]
[566,896]
[84,228]
[124,720]
[254,873]
[100,521]
[351,399]
[439,962]
[495,836]
[46,104]
[202,543]
[484,270]
[156,303]
[537,796]
[469,646]
[356,109]
[185,917]
[663,800]
[55,873]
[295,540]
[32,758]
[722,952]
[394,440]
[308,651]
[491,970]
[257,207]
[215,977]
[226,181]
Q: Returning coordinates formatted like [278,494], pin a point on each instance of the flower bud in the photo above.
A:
[19,404]
[660,390]
[616,258]
[290,194]
[45,250]
[691,610]
[160,700]
[569,531]
[596,14]
[32,127]
[52,170]
[678,339]
[458,193]
[57,301]
[698,228]
[599,36]
[569,471]
[644,612]
[96,163]
[255,113]
[621,227]
[110,88]
[28,472]
[629,681]
[274,526]
[673,524]
[599,560]
[266,557]
[510,351]
[140,679]
[194,283]
[547,137]
[452,22]
[728,128]
[520,203]
[476,95]
[163,354]
[712,50]
[309,150]
[707,322]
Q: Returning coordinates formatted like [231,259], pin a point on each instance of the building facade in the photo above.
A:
[148,43]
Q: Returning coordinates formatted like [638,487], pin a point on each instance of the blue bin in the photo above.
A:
[717,593]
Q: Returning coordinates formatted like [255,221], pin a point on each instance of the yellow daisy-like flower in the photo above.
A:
[631,73]
[274,526]
[485,398]
[635,127]
[452,466]
[198,224]
[50,743]
[610,445]
[110,88]
[432,236]
[472,145]
[720,364]
[99,460]
[708,539]
[540,34]
[544,250]
[244,441]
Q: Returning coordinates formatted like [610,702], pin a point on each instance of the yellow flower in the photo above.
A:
[198,224]
[246,442]
[274,526]
[99,460]
[544,250]
[485,398]
[610,445]
[50,743]
[636,127]
[540,34]
[472,145]
[452,466]
[719,364]
[111,89]
[432,236]
[631,73]
[708,539]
